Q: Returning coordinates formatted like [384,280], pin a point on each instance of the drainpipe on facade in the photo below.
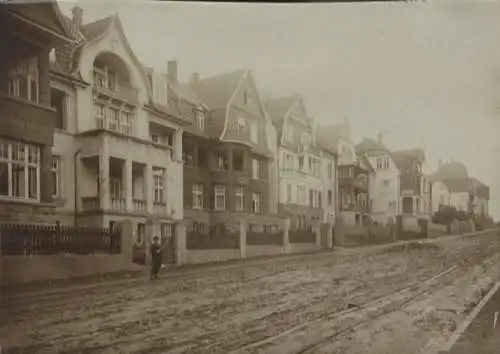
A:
[75,184]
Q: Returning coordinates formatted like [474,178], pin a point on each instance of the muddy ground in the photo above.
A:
[237,308]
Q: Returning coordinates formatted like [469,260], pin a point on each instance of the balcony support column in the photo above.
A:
[128,184]
[148,187]
[103,176]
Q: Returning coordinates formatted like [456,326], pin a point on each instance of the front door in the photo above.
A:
[168,239]
[139,250]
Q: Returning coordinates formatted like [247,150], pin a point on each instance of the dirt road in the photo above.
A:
[269,306]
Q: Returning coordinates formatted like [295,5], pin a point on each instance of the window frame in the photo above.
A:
[220,192]
[256,203]
[57,176]
[159,186]
[28,164]
[197,193]
[239,197]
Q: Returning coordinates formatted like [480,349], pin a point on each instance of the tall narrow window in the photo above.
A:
[241,125]
[240,199]
[115,187]
[126,123]
[159,185]
[200,119]
[100,116]
[56,176]
[289,193]
[256,207]
[58,102]
[256,173]
[254,133]
[114,118]
[220,197]
[197,196]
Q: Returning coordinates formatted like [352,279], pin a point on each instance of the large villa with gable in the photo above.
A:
[117,150]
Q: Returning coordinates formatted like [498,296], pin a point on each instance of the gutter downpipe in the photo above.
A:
[75,184]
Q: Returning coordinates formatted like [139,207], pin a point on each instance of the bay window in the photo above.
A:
[23,80]
[19,170]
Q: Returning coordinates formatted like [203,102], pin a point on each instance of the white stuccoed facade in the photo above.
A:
[120,172]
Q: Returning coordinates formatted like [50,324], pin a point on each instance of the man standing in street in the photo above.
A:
[156,253]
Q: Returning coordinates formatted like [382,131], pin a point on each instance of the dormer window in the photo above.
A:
[52,55]
[150,80]
[305,139]
[104,77]
[289,133]
[241,125]
[199,121]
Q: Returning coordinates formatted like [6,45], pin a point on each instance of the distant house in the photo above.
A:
[384,182]
[229,150]
[452,187]
[118,142]
[353,174]
[306,170]
[410,165]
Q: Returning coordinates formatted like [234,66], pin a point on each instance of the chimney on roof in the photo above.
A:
[379,138]
[77,20]
[195,78]
[440,163]
[172,71]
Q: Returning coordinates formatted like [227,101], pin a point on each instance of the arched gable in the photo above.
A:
[113,41]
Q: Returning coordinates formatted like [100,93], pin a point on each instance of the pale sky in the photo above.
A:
[428,74]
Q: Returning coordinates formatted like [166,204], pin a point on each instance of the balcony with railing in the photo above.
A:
[159,207]
[139,205]
[111,79]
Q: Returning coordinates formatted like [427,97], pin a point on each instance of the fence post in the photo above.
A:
[127,240]
[339,230]
[243,239]
[317,233]
[148,239]
[286,238]
[180,243]
[329,235]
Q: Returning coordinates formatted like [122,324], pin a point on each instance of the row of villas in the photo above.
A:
[92,136]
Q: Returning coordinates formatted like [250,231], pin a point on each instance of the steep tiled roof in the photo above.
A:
[186,92]
[480,189]
[450,170]
[329,135]
[216,92]
[278,107]
[405,158]
[458,185]
[67,55]
[369,145]
[94,29]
